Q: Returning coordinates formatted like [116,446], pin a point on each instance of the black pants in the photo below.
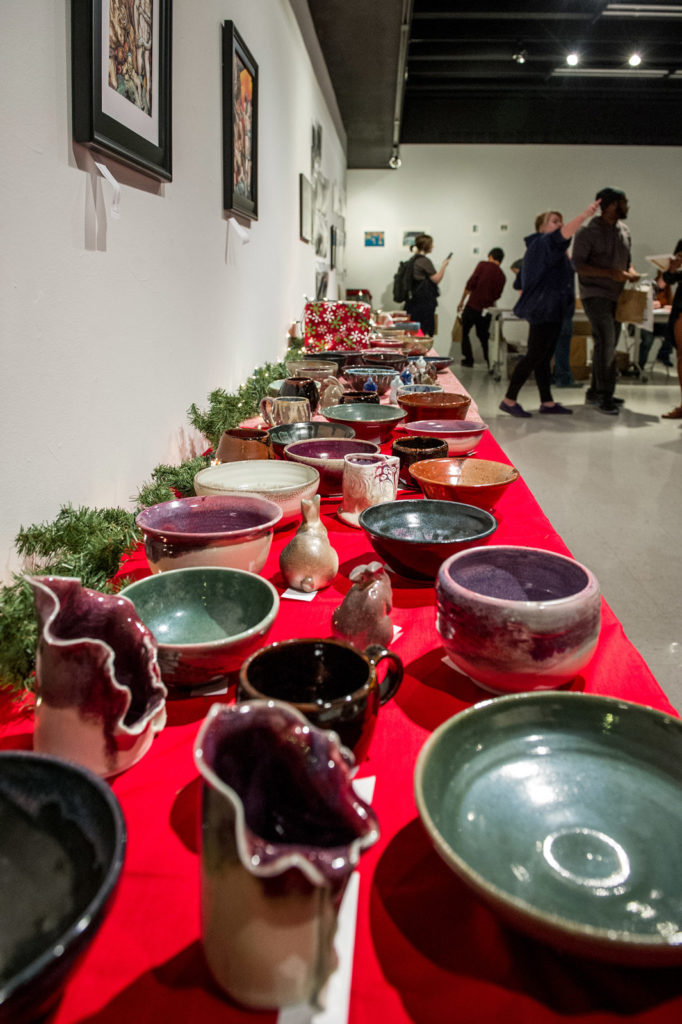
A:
[481,321]
[423,313]
[605,330]
[542,339]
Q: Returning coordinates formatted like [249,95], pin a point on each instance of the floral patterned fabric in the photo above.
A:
[333,325]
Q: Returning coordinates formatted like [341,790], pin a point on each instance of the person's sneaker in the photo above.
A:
[609,407]
[666,360]
[618,401]
[556,409]
[515,410]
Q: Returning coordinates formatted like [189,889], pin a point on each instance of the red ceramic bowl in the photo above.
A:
[435,406]
[471,481]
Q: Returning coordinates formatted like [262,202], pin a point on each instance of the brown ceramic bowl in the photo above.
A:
[241,443]
[471,481]
[380,357]
[435,406]
[317,369]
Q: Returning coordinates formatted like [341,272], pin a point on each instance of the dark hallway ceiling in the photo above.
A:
[463,84]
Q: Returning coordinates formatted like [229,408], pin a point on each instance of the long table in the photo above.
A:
[426,949]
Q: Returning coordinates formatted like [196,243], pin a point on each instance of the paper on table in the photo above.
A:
[337,995]
[299,595]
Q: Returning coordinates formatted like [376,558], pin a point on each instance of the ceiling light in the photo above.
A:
[634,60]
[395,162]
[572,59]
[642,11]
[520,56]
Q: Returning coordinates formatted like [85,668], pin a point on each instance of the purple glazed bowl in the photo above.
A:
[516,619]
[234,532]
[326,455]
[462,436]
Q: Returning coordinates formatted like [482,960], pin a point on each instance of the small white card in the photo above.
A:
[299,595]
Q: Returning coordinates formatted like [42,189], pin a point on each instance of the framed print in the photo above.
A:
[240,126]
[305,208]
[332,247]
[121,81]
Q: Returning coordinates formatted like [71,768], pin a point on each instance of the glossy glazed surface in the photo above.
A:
[287,433]
[440,362]
[563,811]
[415,449]
[416,536]
[316,369]
[383,377]
[370,422]
[279,481]
[516,619]
[445,406]
[462,436]
[326,455]
[241,443]
[205,620]
[472,481]
[380,357]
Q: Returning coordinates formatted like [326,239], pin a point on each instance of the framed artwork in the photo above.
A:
[240,126]
[374,238]
[305,208]
[332,247]
[321,284]
[121,81]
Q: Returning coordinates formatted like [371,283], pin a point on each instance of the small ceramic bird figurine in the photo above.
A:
[363,618]
[309,562]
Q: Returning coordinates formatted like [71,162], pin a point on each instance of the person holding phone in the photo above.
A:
[673,275]
[481,291]
[423,299]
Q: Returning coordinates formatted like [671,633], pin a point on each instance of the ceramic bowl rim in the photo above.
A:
[370,371]
[211,645]
[326,460]
[262,489]
[445,580]
[331,413]
[446,427]
[409,541]
[416,398]
[309,423]
[513,475]
[622,941]
[97,904]
[171,535]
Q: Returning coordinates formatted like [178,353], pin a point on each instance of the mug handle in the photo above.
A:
[388,687]
[266,409]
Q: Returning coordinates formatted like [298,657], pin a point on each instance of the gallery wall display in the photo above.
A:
[240,126]
[121,81]
[332,247]
[305,206]
[375,238]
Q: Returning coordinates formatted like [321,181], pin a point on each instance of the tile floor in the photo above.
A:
[612,487]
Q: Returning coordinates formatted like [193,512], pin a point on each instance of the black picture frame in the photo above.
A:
[240,125]
[305,206]
[332,247]
[130,121]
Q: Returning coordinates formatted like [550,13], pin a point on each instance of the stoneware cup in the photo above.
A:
[301,387]
[416,449]
[293,409]
[367,480]
[243,443]
[332,683]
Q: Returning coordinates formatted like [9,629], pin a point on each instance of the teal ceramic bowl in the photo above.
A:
[370,422]
[206,621]
[563,812]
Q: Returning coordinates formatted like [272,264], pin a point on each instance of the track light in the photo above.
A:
[572,59]
[520,56]
[634,60]
[395,162]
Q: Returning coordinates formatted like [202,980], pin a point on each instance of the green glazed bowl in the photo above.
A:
[206,620]
[563,811]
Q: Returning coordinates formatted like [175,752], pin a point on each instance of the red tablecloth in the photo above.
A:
[426,950]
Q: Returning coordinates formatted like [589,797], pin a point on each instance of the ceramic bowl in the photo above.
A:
[274,387]
[439,362]
[562,812]
[415,536]
[416,449]
[349,397]
[326,456]
[419,389]
[516,619]
[357,376]
[341,356]
[380,357]
[417,346]
[240,443]
[62,846]
[462,436]
[229,530]
[287,433]
[370,422]
[316,369]
[205,620]
[444,406]
[473,481]
[281,482]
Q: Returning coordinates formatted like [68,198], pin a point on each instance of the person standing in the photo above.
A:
[673,275]
[602,258]
[481,291]
[423,299]
[546,282]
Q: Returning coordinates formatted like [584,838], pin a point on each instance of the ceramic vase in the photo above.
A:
[100,696]
[309,562]
[281,831]
[363,617]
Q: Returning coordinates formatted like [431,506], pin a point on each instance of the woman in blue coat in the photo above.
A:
[546,282]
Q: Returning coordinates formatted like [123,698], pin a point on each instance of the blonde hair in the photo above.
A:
[542,218]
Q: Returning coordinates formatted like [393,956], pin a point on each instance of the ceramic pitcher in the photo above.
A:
[100,696]
[281,832]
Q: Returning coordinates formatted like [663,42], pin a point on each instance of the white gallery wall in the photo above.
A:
[476,197]
[110,328]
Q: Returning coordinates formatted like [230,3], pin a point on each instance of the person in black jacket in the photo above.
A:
[546,282]
[423,300]
[673,275]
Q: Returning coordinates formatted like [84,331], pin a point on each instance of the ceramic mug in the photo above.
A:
[367,480]
[329,681]
[243,443]
[416,449]
[276,411]
[301,387]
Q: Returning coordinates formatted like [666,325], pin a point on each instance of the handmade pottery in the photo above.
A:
[416,449]
[281,482]
[462,436]
[326,455]
[370,422]
[439,363]
[207,619]
[441,406]
[351,397]
[329,681]
[331,392]
[363,617]
[367,480]
[301,387]
[100,696]
[562,812]
[387,360]
[472,481]
[244,443]
[382,377]
[418,389]
[517,619]
[309,562]
[278,845]
[62,845]
[317,369]
[234,531]
[294,409]
[415,536]
[287,433]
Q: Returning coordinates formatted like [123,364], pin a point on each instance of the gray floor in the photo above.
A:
[612,487]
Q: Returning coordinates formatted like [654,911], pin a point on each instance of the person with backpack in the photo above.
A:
[422,298]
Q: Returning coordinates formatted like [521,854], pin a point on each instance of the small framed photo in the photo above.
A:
[305,207]
[332,247]
[121,81]
[240,126]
